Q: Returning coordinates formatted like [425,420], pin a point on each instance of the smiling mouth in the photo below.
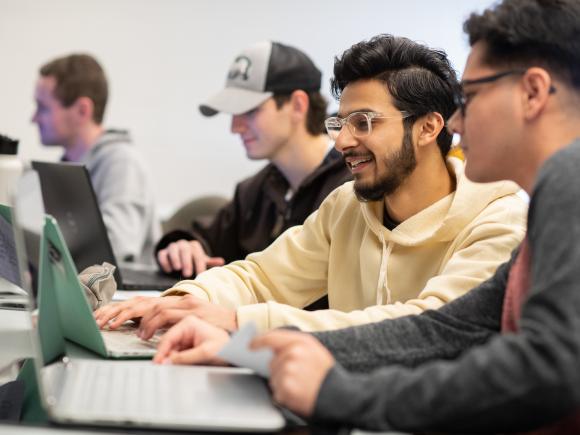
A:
[354,163]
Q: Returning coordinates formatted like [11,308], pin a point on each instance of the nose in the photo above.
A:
[34,118]
[455,123]
[345,140]
[238,124]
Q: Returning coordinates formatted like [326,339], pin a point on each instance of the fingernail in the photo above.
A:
[166,361]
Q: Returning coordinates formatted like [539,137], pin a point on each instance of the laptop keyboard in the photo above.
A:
[124,342]
[107,390]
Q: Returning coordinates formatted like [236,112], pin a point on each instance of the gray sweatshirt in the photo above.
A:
[452,369]
[124,193]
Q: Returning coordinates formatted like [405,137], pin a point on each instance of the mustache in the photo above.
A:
[348,154]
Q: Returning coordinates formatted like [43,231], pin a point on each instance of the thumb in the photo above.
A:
[196,355]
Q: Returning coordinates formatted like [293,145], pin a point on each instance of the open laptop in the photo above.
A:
[56,276]
[11,294]
[69,197]
[135,393]
[59,283]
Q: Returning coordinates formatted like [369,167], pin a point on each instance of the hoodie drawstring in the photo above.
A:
[382,283]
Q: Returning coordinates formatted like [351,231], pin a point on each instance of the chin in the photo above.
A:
[478,176]
[254,156]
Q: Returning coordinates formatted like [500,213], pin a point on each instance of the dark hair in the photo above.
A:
[526,33]
[316,111]
[79,75]
[419,79]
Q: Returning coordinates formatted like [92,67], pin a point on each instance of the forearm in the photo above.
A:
[408,341]
[412,340]
[505,385]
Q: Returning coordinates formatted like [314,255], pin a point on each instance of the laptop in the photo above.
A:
[11,294]
[136,393]
[69,196]
[60,292]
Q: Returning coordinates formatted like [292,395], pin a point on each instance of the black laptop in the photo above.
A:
[69,197]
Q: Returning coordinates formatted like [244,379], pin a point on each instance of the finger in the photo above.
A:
[198,355]
[163,260]
[277,364]
[277,340]
[176,338]
[159,305]
[277,393]
[199,257]
[126,314]
[163,318]
[174,257]
[107,313]
[215,261]
[185,255]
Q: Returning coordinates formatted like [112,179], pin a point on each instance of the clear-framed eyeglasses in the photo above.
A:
[360,124]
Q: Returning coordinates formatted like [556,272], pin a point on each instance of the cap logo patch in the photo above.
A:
[240,68]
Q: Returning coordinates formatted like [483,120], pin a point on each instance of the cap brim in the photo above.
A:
[234,101]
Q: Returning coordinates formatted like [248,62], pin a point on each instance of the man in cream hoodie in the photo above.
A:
[411,233]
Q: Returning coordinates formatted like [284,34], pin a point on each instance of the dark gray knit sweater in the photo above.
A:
[451,369]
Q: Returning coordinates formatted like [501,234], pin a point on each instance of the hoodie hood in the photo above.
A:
[443,220]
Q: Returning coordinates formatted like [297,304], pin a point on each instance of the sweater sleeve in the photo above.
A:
[514,381]
[477,252]
[303,248]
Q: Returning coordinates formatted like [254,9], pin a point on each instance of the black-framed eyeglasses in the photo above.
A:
[360,124]
[460,98]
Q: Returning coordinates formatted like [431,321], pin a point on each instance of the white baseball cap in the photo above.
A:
[260,71]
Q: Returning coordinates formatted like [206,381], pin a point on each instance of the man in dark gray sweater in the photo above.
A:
[506,356]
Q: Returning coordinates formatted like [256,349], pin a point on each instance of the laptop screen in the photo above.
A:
[70,199]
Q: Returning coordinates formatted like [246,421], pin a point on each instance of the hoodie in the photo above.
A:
[368,271]
[123,190]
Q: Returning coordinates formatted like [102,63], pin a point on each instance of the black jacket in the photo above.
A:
[258,213]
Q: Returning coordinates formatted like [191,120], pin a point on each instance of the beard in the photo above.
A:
[398,167]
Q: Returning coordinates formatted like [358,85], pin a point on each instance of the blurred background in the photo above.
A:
[164,57]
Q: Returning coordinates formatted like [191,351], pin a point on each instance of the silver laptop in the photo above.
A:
[134,393]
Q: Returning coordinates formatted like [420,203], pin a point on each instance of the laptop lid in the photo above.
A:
[69,197]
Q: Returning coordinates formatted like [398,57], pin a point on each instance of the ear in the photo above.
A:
[299,103]
[84,107]
[429,127]
[537,85]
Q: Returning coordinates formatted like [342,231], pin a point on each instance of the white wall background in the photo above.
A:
[164,57]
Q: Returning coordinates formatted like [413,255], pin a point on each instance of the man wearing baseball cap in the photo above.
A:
[272,93]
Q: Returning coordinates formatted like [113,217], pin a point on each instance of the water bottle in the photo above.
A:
[10,168]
